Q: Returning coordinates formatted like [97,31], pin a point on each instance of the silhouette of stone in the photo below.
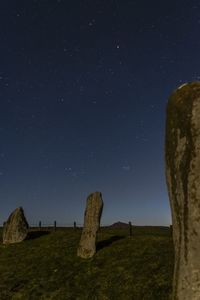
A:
[15,228]
[94,206]
[182,154]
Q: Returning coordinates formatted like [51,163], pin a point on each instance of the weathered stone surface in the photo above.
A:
[182,155]
[87,246]
[16,227]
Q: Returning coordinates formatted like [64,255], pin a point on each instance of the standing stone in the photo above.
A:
[16,228]
[182,155]
[87,246]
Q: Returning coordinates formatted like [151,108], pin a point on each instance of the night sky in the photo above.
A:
[83,93]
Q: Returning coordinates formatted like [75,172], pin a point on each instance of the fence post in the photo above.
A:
[40,225]
[74,225]
[130,228]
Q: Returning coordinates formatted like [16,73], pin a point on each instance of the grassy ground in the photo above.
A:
[46,267]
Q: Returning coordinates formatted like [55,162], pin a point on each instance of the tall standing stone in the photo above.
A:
[87,246]
[15,228]
[182,155]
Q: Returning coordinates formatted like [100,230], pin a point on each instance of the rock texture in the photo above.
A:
[87,246]
[16,227]
[182,155]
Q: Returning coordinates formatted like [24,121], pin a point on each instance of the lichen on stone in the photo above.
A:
[182,146]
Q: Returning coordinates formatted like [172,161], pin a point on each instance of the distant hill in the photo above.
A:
[119,225]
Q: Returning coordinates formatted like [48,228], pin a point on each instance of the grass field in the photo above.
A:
[45,267]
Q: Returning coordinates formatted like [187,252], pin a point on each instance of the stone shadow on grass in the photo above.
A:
[106,243]
[36,234]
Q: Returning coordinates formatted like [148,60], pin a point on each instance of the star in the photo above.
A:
[69,169]
[91,23]
[126,168]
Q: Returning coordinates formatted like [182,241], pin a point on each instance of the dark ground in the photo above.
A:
[45,266]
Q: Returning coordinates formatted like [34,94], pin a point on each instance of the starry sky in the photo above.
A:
[83,92]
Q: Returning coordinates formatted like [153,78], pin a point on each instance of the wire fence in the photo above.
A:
[77,224]
[56,224]
[53,224]
[44,227]
[42,224]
